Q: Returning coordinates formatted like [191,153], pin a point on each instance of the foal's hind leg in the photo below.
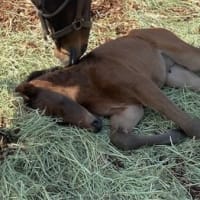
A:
[181,52]
[181,77]
[122,124]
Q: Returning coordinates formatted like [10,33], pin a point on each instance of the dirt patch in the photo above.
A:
[106,8]
[17,15]
[8,142]
[114,12]
[117,164]
[179,172]
[8,139]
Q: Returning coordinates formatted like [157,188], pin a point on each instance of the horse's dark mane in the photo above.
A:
[88,59]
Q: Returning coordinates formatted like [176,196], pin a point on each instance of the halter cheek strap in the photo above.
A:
[76,25]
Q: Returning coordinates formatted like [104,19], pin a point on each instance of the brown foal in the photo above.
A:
[116,80]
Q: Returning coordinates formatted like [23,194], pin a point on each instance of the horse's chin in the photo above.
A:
[62,57]
[67,58]
[65,63]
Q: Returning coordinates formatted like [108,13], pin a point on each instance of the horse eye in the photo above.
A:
[38,3]
[58,44]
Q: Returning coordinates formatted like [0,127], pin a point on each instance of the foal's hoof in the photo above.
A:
[176,135]
[193,129]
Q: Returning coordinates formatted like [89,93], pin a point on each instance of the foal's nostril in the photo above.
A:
[97,124]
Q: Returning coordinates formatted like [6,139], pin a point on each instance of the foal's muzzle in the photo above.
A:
[97,125]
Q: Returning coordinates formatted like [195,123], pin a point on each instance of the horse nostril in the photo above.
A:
[97,124]
[83,49]
[73,57]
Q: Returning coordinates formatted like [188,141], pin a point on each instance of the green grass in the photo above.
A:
[54,162]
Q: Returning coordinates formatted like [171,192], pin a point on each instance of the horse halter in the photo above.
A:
[78,23]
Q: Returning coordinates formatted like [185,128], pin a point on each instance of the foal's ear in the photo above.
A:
[27,90]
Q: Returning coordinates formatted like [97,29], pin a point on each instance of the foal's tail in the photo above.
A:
[128,141]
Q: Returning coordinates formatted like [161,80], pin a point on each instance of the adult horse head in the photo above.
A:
[68,23]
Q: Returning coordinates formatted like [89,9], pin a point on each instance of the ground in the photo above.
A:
[41,160]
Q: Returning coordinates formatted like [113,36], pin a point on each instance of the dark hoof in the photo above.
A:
[176,135]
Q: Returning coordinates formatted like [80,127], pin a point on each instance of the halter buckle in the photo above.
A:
[77,24]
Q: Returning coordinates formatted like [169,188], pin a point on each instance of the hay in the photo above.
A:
[55,162]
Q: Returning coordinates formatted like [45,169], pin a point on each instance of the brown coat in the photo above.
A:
[116,80]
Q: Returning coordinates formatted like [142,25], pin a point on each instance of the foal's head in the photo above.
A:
[58,105]
[68,23]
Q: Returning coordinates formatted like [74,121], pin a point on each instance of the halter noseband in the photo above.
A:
[78,23]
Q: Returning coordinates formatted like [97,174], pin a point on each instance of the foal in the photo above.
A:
[116,80]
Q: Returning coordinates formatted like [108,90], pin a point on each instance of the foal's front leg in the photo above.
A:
[122,124]
[150,95]
[137,87]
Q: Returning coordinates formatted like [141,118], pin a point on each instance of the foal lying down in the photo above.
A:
[116,80]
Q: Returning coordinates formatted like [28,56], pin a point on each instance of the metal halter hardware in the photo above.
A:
[78,23]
